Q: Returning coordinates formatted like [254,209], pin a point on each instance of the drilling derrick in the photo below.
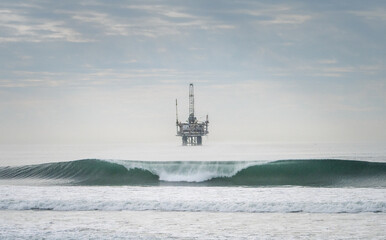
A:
[193,130]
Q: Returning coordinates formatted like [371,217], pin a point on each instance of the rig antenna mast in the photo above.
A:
[193,130]
[176,115]
[191,104]
[176,112]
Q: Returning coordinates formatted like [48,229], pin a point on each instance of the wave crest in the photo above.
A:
[327,172]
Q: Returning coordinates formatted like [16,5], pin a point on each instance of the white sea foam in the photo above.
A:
[188,225]
[189,171]
[193,199]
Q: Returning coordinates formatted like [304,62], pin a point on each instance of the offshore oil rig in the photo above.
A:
[192,130]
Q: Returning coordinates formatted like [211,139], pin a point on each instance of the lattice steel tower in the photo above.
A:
[193,130]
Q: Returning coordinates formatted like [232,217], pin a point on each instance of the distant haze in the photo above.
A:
[264,71]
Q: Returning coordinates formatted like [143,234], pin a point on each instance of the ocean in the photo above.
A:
[215,191]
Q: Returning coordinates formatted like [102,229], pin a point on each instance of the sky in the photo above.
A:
[265,71]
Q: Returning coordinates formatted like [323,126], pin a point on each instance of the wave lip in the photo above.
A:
[323,173]
[189,171]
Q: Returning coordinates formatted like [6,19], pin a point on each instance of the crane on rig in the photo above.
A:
[192,130]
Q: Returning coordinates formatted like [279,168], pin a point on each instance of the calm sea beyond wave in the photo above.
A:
[304,198]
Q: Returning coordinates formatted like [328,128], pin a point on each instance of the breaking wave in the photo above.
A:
[323,173]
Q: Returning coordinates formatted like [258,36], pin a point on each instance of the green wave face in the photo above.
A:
[311,173]
[322,173]
[82,172]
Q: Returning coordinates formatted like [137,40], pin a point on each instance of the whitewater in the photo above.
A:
[217,192]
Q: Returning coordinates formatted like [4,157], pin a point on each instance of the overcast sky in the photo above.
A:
[264,71]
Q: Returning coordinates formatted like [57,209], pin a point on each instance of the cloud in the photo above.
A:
[378,14]
[101,78]
[109,24]
[167,11]
[149,20]
[275,14]
[327,61]
[17,27]
[287,19]
[325,68]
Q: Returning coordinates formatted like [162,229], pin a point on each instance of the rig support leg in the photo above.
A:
[184,140]
[199,140]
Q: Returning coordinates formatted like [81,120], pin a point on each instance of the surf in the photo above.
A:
[312,172]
